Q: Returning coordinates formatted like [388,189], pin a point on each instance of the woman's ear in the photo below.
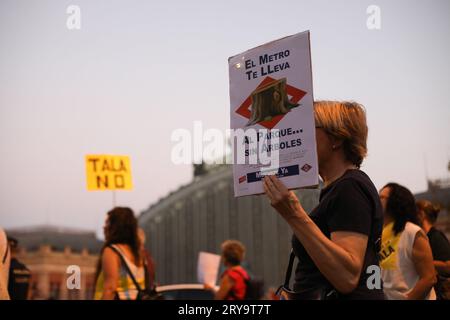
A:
[336,143]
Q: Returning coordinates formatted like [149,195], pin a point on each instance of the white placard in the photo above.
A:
[271,94]
[208,268]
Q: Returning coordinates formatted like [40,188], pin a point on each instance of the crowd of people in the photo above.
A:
[353,227]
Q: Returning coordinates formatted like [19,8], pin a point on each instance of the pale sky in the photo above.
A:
[137,70]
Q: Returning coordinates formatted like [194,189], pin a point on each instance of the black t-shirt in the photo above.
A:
[439,245]
[19,280]
[351,203]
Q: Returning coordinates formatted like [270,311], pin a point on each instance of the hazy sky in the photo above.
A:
[137,70]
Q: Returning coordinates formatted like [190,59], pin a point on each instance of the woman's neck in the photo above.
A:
[426,226]
[334,170]
[387,220]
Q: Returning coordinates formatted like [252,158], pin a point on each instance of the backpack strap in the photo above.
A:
[127,268]
[287,278]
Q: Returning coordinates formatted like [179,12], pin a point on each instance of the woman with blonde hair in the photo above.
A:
[440,246]
[337,242]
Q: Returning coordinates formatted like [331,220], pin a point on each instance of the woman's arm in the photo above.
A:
[423,262]
[442,267]
[4,295]
[339,259]
[226,284]
[110,268]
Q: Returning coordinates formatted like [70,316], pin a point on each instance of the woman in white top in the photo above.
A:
[406,259]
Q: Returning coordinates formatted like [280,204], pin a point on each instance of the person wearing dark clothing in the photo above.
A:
[19,275]
[339,239]
[440,246]
[350,203]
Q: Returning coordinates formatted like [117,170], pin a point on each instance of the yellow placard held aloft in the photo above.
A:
[108,172]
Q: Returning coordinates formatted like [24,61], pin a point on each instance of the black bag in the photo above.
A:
[254,287]
[323,292]
[146,294]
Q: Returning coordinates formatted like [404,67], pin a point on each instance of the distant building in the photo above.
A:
[48,251]
[201,215]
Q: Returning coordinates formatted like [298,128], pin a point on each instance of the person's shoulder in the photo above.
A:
[357,176]
[242,271]
[413,230]
[123,248]
[437,234]
[110,251]
[412,227]
[356,180]
[236,272]
[344,183]
[229,275]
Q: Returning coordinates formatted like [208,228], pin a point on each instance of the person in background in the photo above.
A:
[19,275]
[406,259]
[232,281]
[121,238]
[150,264]
[440,246]
[4,265]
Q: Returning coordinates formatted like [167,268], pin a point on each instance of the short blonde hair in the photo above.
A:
[233,251]
[345,121]
[431,210]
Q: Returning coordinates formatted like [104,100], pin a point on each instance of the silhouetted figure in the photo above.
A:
[19,275]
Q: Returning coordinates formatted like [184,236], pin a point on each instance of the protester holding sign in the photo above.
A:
[233,280]
[339,239]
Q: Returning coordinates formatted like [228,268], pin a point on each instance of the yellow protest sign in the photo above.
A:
[108,172]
